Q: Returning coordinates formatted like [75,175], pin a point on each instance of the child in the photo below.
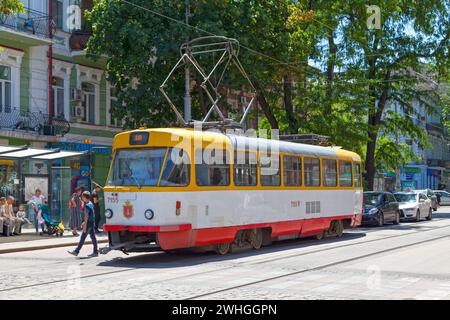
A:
[21,215]
[88,225]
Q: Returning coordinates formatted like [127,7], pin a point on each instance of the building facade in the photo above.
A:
[52,95]
[432,170]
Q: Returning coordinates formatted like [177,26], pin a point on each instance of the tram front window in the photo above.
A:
[137,167]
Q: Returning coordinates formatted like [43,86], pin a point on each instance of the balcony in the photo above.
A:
[31,28]
[37,123]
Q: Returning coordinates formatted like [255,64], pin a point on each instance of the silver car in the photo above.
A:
[432,196]
[414,205]
[445,197]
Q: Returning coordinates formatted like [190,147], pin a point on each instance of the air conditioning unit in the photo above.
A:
[79,112]
[76,94]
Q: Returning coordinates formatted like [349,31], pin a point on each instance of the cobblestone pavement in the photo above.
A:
[409,261]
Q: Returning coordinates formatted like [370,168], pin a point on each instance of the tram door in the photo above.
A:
[60,193]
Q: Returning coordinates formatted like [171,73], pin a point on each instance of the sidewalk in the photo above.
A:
[29,240]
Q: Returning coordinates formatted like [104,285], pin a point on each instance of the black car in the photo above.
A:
[379,208]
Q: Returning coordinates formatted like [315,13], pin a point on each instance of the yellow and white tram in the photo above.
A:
[181,188]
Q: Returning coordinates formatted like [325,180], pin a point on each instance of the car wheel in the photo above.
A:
[397,218]
[381,220]
[430,215]
[418,215]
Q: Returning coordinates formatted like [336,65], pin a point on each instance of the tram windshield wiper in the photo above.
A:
[132,175]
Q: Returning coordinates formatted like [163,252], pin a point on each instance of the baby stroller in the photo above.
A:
[53,226]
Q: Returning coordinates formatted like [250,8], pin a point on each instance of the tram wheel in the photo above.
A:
[256,238]
[223,248]
[338,228]
[320,236]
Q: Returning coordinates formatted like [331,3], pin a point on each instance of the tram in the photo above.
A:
[182,188]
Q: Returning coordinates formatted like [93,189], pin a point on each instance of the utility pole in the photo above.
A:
[187,77]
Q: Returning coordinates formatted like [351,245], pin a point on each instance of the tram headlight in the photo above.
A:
[108,213]
[149,214]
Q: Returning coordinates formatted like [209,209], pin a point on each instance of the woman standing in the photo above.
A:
[75,211]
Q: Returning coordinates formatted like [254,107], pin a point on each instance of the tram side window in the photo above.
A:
[245,169]
[292,171]
[176,170]
[329,168]
[214,169]
[312,172]
[270,170]
[345,174]
[357,177]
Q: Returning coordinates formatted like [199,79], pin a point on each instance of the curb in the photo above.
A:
[48,246]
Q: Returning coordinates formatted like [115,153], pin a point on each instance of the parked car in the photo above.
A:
[432,196]
[445,197]
[379,208]
[414,205]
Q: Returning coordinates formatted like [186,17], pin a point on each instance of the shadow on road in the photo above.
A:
[185,258]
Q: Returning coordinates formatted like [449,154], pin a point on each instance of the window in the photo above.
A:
[215,168]
[58,97]
[113,104]
[245,168]
[137,167]
[5,89]
[357,177]
[176,170]
[292,171]
[329,168]
[345,174]
[312,172]
[270,170]
[57,13]
[88,103]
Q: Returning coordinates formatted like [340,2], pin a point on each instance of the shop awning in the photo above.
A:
[25,152]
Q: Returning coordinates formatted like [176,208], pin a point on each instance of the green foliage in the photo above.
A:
[352,83]
[8,7]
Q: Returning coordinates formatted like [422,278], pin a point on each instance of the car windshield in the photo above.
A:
[406,197]
[372,199]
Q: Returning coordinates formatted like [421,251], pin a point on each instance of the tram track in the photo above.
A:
[320,267]
[250,263]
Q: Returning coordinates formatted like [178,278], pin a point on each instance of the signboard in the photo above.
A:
[408,184]
[411,170]
[35,182]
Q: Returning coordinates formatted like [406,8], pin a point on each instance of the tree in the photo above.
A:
[133,37]
[8,7]
[368,71]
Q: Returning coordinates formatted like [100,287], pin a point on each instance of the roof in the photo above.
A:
[24,152]
[243,142]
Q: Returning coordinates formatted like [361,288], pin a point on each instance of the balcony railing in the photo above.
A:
[32,22]
[33,122]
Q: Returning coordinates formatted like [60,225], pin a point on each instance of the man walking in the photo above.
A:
[88,225]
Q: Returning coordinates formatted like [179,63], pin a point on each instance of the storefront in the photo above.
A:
[413,177]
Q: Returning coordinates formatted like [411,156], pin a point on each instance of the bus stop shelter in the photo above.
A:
[21,183]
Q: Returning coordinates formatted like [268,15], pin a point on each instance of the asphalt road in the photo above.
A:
[408,261]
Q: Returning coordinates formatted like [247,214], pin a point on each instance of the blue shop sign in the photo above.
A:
[82,147]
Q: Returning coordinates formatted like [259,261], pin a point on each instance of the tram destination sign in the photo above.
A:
[139,138]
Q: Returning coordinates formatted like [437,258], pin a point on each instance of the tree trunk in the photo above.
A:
[330,72]
[370,161]
[288,106]
[373,127]
[265,106]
